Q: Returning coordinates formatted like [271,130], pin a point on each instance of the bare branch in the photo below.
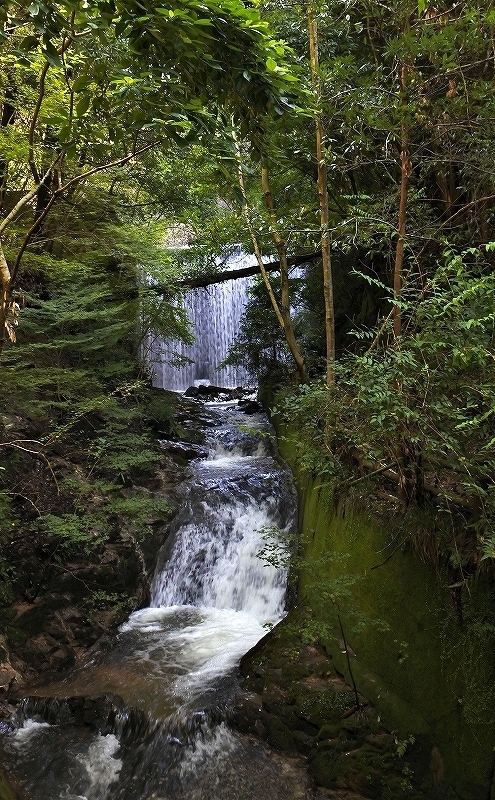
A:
[27,197]
[18,444]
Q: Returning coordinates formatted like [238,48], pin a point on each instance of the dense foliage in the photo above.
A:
[97,102]
[402,91]
[124,122]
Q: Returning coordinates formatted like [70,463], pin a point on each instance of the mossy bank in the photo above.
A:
[419,647]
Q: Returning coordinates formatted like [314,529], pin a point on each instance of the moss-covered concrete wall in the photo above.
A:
[6,792]
[426,661]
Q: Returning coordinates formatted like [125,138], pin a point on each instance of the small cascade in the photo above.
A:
[236,494]
[212,596]
[67,763]
[214,313]
[149,717]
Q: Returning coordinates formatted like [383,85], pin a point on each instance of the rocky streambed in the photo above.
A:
[291,713]
[301,705]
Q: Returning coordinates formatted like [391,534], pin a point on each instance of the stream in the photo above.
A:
[165,684]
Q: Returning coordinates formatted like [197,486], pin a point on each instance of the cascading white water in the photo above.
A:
[210,575]
[93,765]
[214,562]
[214,313]
[173,663]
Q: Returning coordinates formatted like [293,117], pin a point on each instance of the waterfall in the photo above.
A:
[209,578]
[214,314]
[170,675]
[236,494]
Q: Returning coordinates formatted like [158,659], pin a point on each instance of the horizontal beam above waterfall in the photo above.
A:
[245,272]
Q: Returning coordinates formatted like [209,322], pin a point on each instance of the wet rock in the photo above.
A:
[306,707]
[183,450]
[328,732]
[8,675]
[280,736]
[222,393]
[6,791]
[44,652]
[97,711]
[249,716]
[303,742]
[249,406]
[208,391]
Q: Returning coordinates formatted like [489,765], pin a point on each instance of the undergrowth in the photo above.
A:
[417,411]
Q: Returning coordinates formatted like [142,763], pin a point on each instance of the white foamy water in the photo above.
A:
[101,765]
[67,769]
[174,662]
[218,744]
[207,646]
[29,729]
[214,314]
[215,564]
[213,597]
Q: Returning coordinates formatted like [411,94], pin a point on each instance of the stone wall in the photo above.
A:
[420,649]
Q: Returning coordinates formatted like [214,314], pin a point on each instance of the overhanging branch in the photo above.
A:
[232,274]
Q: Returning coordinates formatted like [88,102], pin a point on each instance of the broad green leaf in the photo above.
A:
[83,104]
[52,55]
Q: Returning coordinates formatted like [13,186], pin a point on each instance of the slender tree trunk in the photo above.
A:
[284,279]
[405,174]
[7,118]
[407,466]
[283,315]
[5,290]
[47,187]
[323,201]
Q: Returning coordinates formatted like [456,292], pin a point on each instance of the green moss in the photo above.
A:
[425,670]
[322,707]
[17,636]
[326,767]
[6,791]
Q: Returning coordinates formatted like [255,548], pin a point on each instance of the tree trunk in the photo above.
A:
[323,202]
[7,118]
[408,467]
[283,316]
[405,174]
[5,289]
[234,274]
[284,279]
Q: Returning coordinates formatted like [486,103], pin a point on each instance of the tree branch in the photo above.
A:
[232,274]
[62,189]
[34,120]
[18,444]
[27,197]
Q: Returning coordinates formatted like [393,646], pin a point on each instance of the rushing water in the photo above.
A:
[214,314]
[173,664]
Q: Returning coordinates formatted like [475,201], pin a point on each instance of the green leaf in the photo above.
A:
[52,55]
[83,105]
[81,83]
[29,43]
